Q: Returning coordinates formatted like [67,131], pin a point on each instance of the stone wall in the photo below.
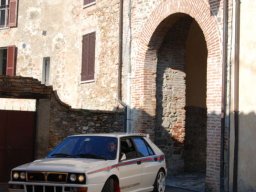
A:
[55,119]
[65,121]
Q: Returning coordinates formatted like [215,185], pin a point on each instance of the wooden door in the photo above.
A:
[17,133]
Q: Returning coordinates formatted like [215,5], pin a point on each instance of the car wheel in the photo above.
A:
[159,185]
[109,186]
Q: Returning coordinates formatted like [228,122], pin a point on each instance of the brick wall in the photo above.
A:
[148,34]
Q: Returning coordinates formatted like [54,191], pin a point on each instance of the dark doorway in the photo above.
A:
[17,133]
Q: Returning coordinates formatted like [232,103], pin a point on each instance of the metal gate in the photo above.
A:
[17,138]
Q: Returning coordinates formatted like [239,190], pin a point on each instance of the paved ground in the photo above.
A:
[190,181]
[175,189]
[168,189]
[3,187]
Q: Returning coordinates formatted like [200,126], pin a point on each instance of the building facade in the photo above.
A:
[182,71]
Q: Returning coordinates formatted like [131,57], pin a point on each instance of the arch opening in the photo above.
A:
[181,93]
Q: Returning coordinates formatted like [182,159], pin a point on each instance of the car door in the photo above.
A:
[130,168]
[149,163]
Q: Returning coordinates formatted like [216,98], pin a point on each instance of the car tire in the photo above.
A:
[109,186]
[159,185]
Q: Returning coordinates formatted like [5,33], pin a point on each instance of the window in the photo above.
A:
[142,147]
[89,2]
[46,70]
[3,61]
[88,57]
[8,60]
[8,13]
[127,148]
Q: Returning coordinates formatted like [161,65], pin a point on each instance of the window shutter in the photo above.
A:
[13,13]
[11,61]
[88,57]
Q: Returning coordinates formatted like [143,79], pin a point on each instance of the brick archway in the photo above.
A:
[143,94]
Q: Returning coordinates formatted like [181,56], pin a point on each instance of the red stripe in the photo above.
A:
[148,159]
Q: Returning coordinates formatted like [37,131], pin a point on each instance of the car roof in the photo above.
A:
[113,134]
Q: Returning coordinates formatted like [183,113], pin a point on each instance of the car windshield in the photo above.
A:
[93,147]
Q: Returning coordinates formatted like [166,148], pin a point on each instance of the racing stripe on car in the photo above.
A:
[147,159]
[100,170]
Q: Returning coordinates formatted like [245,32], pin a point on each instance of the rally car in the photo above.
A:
[95,163]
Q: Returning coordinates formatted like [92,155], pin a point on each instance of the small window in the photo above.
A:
[88,57]
[8,60]
[143,148]
[4,11]
[3,61]
[89,2]
[46,71]
[8,13]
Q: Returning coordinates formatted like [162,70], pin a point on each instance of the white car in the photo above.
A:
[95,163]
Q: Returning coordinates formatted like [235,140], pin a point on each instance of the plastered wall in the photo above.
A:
[247,102]
[54,29]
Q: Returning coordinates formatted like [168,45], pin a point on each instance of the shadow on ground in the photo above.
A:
[187,181]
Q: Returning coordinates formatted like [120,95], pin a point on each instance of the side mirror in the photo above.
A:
[123,157]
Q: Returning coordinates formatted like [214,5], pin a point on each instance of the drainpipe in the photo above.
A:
[120,62]
[120,58]
[236,93]
[224,123]
[128,85]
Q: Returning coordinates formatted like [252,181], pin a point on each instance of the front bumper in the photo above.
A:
[52,187]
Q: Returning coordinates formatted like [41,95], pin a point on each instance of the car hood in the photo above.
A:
[65,165]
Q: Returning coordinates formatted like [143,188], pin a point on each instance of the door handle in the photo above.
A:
[138,162]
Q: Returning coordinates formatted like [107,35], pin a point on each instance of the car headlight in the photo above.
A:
[77,178]
[23,175]
[19,175]
[81,178]
[15,175]
[72,177]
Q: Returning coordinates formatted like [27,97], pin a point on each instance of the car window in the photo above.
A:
[127,148]
[96,147]
[143,148]
[66,147]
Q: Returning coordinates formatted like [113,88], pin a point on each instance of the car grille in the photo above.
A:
[46,177]
[32,188]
